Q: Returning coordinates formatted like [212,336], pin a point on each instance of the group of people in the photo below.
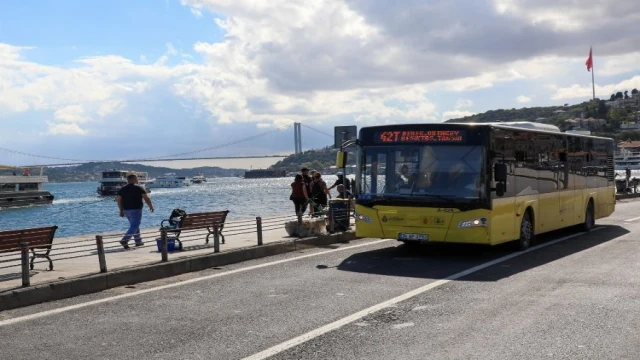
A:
[308,189]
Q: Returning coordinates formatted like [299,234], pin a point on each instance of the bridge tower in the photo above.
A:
[297,138]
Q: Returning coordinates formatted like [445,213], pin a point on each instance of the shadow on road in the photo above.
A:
[443,260]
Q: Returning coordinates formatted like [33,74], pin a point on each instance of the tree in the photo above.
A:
[613,97]
[626,94]
[602,109]
[619,95]
[618,116]
[634,91]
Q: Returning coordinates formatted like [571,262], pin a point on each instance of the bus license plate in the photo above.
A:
[413,237]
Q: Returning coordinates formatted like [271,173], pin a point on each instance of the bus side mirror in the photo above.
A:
[341,159]
[500,189]
[500,173]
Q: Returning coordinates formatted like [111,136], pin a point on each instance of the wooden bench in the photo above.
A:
[205,220]
[37,238]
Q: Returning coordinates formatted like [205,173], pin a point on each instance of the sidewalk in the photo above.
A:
[76,256]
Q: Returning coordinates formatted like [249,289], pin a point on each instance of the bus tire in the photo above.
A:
[526,232]
[589,218]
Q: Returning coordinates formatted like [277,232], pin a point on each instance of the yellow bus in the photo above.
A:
[479,183]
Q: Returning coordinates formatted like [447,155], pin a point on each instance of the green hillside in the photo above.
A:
[93,171]
[548,114]
[312,159]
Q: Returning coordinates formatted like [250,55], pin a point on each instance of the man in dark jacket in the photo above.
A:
[129,200]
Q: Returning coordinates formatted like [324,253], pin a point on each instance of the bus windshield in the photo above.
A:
[438,172]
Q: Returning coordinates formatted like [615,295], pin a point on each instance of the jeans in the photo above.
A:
[134,217]
[300,205]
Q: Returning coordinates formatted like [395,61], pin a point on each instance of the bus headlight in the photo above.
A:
[363,218]
[477,222]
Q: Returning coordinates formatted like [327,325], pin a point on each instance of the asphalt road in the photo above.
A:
[574,298]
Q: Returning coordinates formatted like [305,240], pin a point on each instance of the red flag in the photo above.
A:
[589,62]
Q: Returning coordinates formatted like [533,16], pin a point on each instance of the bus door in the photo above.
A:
[550,203]
[503,219]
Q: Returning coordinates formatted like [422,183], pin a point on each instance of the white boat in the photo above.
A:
[168,181]
[113,180]
[199,179]
[624,158]
[23,190]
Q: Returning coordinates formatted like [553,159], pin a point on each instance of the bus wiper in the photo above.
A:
[449,198]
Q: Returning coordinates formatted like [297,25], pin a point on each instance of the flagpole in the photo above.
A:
[593,70]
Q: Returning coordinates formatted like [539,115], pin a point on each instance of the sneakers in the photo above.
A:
[139,244]
[124,244]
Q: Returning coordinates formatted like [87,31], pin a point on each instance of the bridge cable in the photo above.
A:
[318,131]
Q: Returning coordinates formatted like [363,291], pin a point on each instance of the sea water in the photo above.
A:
[77,208]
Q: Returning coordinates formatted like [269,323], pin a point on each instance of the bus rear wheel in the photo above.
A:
[526,232]
[589,218]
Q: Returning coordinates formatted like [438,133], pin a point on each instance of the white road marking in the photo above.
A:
[186,282]
[633,219]
[274,350]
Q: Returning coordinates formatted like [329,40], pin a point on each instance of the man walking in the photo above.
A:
[129,200]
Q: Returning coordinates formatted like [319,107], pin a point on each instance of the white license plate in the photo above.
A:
[413,237]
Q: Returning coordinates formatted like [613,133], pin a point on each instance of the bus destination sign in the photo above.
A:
[431,136]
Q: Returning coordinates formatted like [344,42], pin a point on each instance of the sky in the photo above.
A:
[109,80]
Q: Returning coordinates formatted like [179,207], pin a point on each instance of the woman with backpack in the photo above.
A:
[299,194]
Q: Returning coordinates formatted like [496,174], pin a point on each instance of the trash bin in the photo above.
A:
[171,244]
[338,215]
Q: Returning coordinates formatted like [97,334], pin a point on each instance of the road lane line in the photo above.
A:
[633,219]
[186,282]
[360,314]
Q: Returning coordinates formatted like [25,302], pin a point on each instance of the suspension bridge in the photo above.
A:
[14,158]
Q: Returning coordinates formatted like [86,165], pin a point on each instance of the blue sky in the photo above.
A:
[121,79]
[62,31]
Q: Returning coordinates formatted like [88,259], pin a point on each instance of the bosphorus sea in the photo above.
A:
[78,210]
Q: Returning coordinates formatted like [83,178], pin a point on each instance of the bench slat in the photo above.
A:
[35,237]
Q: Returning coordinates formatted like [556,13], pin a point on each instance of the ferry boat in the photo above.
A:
[199,179]
[113,180]
[168,181]
[23,190]
[624,158]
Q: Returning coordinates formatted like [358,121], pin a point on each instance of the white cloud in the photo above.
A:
[196,12]
[523,99]
[71,113]
[621,64]
[464,103]
[66,129]
[454,114]
[577,91]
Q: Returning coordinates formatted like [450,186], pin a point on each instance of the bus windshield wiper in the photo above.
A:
[449,198]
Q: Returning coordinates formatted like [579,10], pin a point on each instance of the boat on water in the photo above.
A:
[168,181]
[23,190]
[625,158]
[199,179]
[113,180]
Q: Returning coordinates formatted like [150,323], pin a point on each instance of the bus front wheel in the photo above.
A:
[526,232]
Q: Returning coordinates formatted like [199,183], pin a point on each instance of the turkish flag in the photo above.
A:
[589,62]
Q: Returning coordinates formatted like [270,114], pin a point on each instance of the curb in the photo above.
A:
[128,276]
[627,196]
